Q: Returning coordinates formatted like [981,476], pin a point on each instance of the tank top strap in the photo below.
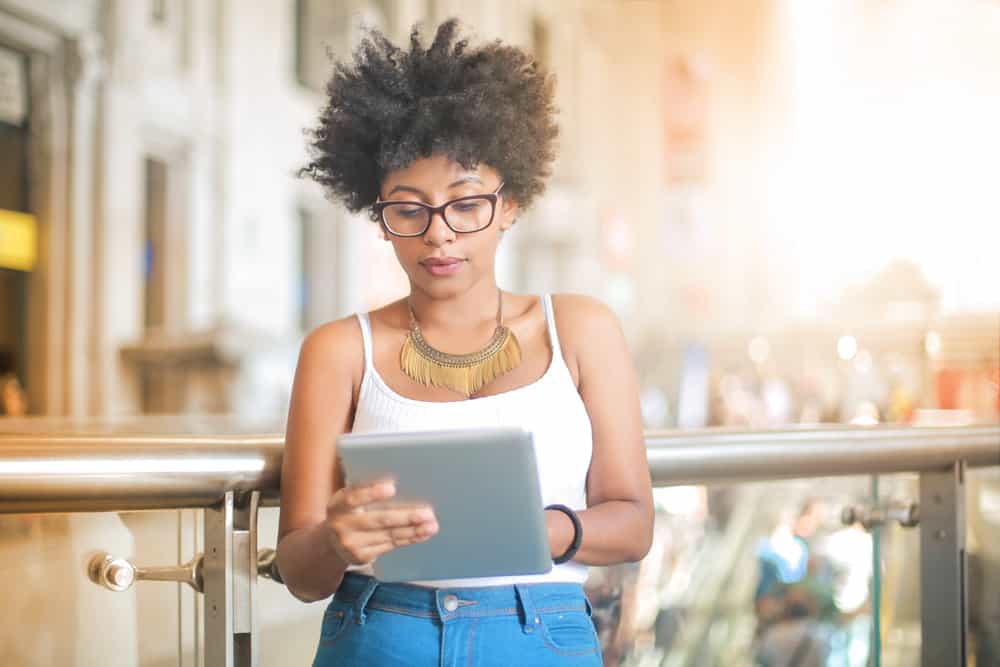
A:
[550,321]
[366,340]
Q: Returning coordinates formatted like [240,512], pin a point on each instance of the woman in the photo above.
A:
[445,145]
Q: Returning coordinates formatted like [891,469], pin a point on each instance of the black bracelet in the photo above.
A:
[577,533]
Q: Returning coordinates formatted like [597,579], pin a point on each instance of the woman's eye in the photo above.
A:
[466,206]
[410,212]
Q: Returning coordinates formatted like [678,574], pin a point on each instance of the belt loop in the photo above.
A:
[362,600]
[530,619]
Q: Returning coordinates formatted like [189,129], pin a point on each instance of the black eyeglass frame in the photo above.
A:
[492,197]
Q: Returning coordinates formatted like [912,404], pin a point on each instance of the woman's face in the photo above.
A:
[442,262]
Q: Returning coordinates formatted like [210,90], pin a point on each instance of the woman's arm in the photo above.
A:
[618,521]
[320,409]
[320,532]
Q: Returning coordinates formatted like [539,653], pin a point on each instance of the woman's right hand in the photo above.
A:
[362,526]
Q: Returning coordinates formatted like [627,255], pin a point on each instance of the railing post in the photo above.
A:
[943,585]
[230,582]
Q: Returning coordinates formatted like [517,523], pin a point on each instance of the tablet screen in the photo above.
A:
[484,487]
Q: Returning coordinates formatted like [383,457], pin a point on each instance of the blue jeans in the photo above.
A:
[372,623]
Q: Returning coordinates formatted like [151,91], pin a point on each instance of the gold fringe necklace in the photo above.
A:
[464,373]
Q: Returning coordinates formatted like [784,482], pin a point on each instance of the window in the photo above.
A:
[154,244]
[158,11]
[317,24]
[322,27]
[316,288]
[14,196]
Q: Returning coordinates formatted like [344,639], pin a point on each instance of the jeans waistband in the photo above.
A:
[524,600]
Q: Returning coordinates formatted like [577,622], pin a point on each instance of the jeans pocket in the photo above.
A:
[335,621]
[569,633]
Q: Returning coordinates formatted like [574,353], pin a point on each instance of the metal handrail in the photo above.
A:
[118,472]
[122,472]
[727,455]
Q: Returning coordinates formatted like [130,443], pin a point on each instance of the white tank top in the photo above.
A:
[550,408]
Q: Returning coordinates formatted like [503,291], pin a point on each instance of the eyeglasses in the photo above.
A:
[463,215]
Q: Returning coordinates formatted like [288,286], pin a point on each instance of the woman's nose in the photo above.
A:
[438,233]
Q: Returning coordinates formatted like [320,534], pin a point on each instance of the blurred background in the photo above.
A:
[791,204]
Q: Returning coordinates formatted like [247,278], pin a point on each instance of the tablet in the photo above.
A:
[483,485]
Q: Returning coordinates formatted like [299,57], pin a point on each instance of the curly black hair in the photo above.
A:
[491,104]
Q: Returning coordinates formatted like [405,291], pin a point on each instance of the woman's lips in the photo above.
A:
[442,266]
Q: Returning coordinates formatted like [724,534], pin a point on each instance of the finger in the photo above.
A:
[389,541]
[362,548]
[390,518]
[359,495]
[362,545]
[355,536]
[412,534]
[381,519]
[372,552]
[365,555]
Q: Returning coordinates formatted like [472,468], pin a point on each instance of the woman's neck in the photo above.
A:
[469,309]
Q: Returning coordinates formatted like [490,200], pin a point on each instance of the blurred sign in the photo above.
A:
[687,79]
[13,88]
[18,241]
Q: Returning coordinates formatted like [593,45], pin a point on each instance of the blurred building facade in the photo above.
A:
[179,259]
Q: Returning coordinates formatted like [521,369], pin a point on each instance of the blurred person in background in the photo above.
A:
[612,593]
[444,146]
[794,595]
[13,402]
[849,552]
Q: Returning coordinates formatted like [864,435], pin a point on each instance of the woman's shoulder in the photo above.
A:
[585,325]
[334,331]
[591,337]
[579,312]
[347,330]
[342,341]
[334,346]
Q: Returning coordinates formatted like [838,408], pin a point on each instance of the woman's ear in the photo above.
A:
[509,211]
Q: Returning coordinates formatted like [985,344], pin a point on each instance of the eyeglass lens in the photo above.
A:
[464,215]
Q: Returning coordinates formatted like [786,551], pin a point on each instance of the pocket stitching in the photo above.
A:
[338,633]
[546,637]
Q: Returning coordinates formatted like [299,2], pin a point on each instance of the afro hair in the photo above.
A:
[388,107]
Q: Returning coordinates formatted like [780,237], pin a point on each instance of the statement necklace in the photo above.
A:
[464,373]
